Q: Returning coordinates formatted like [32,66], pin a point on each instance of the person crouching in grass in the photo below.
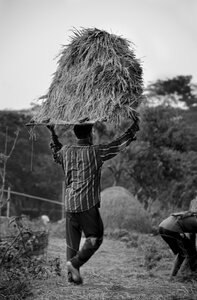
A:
[173,231]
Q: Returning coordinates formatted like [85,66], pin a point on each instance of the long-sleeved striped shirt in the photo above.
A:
[82,168]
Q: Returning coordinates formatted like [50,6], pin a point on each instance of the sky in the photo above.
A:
[32,33]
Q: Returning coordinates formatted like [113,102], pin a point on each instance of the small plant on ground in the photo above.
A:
[151,257]
[20,263]
[133,240]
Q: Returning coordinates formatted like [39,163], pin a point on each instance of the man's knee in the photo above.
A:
[99,241]
[94,242]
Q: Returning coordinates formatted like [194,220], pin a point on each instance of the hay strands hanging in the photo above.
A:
[98,77]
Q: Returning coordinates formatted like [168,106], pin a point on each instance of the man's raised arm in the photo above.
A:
[55,145]
[112,149]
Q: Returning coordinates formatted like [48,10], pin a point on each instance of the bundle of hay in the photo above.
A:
[98,78]
[121,210]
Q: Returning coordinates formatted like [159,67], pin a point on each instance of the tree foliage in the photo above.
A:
[180,85]
[30,169]
[161,165]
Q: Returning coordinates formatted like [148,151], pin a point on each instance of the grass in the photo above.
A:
[119,271]
[128,265]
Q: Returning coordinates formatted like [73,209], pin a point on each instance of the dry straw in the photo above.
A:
[98,77]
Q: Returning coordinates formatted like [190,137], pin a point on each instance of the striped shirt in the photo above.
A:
[82,168]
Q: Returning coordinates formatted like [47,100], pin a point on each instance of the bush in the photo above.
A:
[19,263]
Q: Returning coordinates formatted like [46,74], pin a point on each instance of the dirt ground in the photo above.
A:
[117,272]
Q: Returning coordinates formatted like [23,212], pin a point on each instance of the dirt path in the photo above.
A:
[115,272]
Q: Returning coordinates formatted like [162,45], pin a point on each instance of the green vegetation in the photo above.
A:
[159,168]
[22,258]
[119,271]
[30,168]
[157,175]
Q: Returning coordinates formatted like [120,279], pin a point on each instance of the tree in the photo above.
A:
[161,163]
[165,126]
[179,85]
[30,169]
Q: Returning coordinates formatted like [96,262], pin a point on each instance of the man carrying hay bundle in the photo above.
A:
[173,230]
[98,79]
[82,168]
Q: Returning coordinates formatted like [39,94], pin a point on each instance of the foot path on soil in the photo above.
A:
[115,272]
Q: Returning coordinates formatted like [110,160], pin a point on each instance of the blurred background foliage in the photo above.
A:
[159,169]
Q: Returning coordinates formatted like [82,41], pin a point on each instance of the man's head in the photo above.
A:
[83,131]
